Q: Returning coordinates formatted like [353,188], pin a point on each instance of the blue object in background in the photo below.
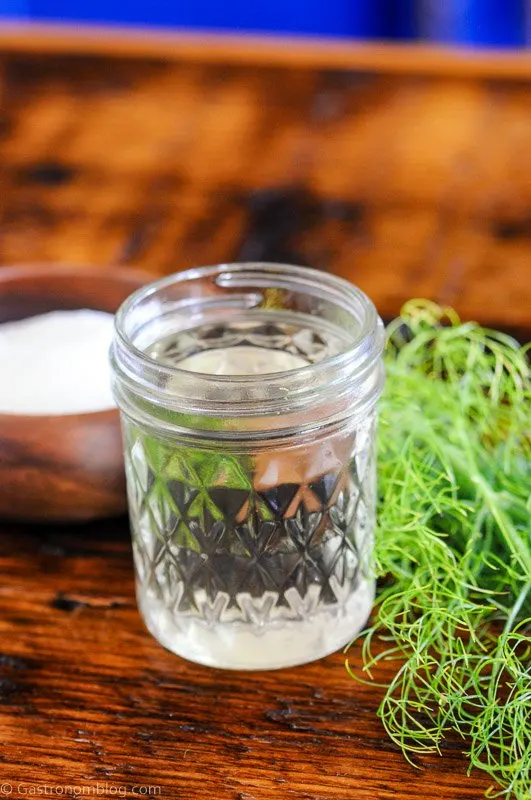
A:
[403,18]
[359,18]
[13,8]
[473,22]
[499,23]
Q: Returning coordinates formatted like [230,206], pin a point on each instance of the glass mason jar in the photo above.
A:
[247,395]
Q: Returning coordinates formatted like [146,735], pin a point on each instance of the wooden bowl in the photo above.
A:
[67,467]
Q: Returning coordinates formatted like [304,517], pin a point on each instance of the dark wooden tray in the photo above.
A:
[406,169]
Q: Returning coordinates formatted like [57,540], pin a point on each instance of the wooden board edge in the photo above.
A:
[295,52]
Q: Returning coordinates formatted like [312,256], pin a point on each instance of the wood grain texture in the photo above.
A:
[407,181]
[408,172]
[88,698]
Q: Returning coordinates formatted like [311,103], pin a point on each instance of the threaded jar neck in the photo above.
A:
[328,331]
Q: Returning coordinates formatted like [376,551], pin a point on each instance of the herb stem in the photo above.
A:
[453,544]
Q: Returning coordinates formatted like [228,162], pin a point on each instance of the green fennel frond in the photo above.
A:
[453,545]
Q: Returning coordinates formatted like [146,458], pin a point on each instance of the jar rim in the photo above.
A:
[355,362]
[343,286]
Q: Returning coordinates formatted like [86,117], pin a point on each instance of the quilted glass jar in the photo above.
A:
[247,394]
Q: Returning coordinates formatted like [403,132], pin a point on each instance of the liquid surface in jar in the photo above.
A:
[257,344]
[242,360]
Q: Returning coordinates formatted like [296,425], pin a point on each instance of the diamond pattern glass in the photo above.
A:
[220,556]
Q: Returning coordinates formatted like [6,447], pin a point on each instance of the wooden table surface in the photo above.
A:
[89,700]
[164,155]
